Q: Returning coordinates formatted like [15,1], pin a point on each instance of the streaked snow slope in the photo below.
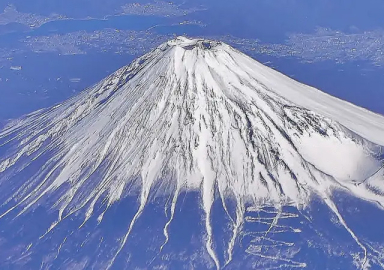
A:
[194,115]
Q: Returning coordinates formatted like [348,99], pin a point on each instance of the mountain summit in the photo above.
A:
[193,115]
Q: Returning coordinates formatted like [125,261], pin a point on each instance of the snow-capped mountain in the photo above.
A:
[192,116]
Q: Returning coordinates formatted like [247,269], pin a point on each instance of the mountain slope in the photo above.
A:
[193,115]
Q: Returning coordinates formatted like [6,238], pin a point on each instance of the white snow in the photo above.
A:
[209,115]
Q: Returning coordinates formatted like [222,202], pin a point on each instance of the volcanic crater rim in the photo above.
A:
[192,43]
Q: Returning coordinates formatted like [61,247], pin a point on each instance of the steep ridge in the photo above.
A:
[194,115]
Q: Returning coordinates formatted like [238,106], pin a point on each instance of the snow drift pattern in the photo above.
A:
[194,115]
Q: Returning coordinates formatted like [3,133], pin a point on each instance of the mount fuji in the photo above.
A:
[194,156]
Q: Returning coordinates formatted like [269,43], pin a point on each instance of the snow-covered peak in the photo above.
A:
[189,44]
[196,115]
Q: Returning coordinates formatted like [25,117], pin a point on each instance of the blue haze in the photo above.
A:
[45,80]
